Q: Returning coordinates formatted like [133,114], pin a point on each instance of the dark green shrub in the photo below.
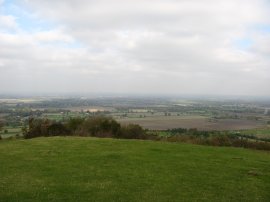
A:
[177,130]
[100,127]
[132,131]
[37,128]
[74,124]
[220,140]
[1,125]
[44,127]
[57,129]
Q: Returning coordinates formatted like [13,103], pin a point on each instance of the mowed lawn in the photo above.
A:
[91,169]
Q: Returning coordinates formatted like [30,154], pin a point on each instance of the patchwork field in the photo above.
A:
[89,169]
[199,122]
[90,109]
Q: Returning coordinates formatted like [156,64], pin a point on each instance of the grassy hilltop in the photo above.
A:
[92,169]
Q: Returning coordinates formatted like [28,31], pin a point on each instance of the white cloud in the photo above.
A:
[53,36]
[159,46]
[7,22]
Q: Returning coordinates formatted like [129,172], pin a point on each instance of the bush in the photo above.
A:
[132,131]
[100,127]
[36,128]
[1,124]
[44,127]
[219,140]
[57,129]
[177,130]
[74,124]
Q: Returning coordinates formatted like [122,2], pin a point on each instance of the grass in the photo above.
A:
[54,116]
[11,131]
[261,133]
[91,169]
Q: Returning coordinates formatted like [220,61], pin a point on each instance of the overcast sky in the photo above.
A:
[176,47]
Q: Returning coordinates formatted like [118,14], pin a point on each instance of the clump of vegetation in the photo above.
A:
[1,125]
[73,124]
[132,131]
[98,126]
[44,127]
[217,138]
[1,128]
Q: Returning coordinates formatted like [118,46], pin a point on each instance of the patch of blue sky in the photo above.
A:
[26,20]
[265,28]
[31,23]
[63,44]
[243,43]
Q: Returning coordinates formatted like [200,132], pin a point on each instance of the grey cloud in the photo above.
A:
[133,46]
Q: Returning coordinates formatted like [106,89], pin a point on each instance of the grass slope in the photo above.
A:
[90,169]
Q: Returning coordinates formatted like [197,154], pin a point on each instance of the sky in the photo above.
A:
[196,47]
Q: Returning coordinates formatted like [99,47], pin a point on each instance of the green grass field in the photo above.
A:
[261,133]
[11,131]
[91,169]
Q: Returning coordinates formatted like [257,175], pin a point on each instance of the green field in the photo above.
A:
[90,169]
[260,132]
[11,131]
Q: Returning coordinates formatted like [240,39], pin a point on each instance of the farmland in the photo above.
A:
[245,116]
[90,169]
[199,122]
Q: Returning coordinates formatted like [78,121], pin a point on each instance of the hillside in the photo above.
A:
[92,169]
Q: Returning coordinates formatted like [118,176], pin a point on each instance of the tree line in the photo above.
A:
[98,126]
[101,126]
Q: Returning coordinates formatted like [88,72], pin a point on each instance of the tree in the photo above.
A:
[132,131]
[37,128]
[1,125]
[57,129]
[100,127]
[73,124]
